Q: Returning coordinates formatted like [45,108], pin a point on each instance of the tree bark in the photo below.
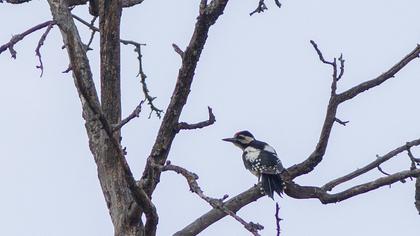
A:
[112,168]
[112,175]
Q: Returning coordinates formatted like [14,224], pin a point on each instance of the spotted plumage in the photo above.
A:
[261,160]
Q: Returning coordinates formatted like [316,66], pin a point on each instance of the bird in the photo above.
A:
[261,160]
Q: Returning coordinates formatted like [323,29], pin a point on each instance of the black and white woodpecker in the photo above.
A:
[261,160]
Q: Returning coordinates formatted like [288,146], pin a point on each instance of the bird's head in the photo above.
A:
[241,139]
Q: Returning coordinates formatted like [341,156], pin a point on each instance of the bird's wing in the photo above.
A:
[270,164]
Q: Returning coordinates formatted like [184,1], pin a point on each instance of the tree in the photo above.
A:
[127,198]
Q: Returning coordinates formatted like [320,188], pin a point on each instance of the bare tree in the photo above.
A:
[127,198]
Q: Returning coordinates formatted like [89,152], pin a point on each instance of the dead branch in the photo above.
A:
[358,89]
[278,219]
[304,192]
[316,156]
[207,17]
[133,115]
[148,97]
[92,35]
[300,192]
[18,37]
[38,48]
[97,125]
[343,123]
[381,159]
[178,50]
[212,216]
[137,49]
[336,99]
[382,171]
[214,202]
[199,125]
[260,8]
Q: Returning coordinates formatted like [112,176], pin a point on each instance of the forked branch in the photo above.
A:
[208,15]
[18,37]
[374,164]
[214,202]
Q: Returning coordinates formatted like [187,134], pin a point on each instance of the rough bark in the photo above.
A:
[113,171]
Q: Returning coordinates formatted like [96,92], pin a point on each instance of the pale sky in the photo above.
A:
[258,73]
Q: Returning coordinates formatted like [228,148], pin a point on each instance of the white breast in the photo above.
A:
[251,153]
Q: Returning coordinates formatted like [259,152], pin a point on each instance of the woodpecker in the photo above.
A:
[261,160]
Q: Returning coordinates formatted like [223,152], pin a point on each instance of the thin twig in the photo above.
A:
[278,219]
[321,56]
[18,37]
[143,77]
[38,48]
[148,97]
[178,50]
[199,125]
[134,114]
[344,123]
[341,60]
[387,174]
[92,35]
[260,8]
[382,171]
[137,49]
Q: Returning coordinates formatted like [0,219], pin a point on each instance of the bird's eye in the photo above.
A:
[240,137]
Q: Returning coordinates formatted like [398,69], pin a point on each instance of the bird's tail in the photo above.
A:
[271,184]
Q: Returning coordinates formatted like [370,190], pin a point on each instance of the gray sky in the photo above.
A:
[258,73]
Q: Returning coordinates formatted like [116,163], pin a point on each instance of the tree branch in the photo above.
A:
[336,99]
[343,123]
[178,50]
[316,156]
[278,219]
[358,89]
[133,115]
[214,202]
[234,204]
[330,185]
[18,37]
[199,125]
[260,8]
[137,49]
[114,173]
[168,129]
[304,192]
[38,48]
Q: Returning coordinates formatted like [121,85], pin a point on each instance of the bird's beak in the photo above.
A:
[232,140]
